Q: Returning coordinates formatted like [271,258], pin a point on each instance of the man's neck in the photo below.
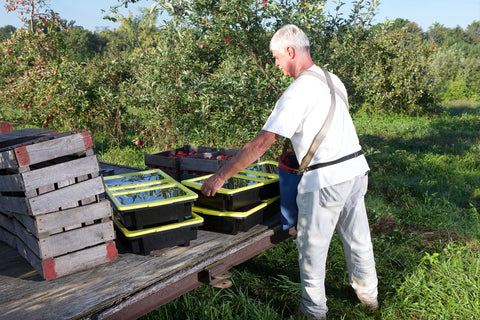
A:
[305,64]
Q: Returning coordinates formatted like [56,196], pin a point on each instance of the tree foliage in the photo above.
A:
[207,69]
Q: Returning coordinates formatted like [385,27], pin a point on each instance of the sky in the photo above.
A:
[450,13]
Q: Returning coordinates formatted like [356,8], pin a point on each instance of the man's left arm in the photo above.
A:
[253,150]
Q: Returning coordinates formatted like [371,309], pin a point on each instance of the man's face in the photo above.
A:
[283,61]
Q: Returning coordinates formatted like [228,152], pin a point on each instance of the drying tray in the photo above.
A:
[148,198]
[243,189]
[146,240]
[232,222]
[268,166]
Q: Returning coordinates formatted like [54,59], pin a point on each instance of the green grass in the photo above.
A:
[423,203]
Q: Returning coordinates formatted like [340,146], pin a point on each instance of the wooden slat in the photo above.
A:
[70,263]
[21,136]
[66,242]
[8,237]
[8,159]
[55,148]
[6,222]
[47,224]
[49,175]
[45,148]
[51,201]
[10,205]
[11,183]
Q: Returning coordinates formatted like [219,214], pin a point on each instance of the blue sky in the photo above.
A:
[450,13]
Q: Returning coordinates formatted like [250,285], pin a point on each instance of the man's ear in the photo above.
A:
[291,52]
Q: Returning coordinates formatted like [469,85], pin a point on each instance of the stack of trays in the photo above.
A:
[152,210]
[244,200]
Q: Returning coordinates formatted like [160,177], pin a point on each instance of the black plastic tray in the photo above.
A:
[240,220]
[154,216]
[147,240]
[239,191]
[148,198]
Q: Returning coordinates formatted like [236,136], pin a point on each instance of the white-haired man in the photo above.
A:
[329,198]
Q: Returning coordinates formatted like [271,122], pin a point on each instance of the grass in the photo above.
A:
[423,203]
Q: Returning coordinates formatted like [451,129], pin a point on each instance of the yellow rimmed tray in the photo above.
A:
[146,198]
[232,222]
[243,189]
[168,235]
[267,166]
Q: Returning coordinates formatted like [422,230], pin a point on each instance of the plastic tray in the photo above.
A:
[232,222]
[144,241]
[148,198]
[207,162]
[267,166]
[169,161]
[243,189]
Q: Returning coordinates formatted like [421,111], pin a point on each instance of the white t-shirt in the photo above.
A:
[299,114]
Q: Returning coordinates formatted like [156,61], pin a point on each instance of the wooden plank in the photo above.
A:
[8,237]
[46,148]
[11,205]
[44,225]
[6,222]
[8,159]
[71,263]
[66,242]
[23,135]
[51,201]
[37,178]
[11,183]
[89,199]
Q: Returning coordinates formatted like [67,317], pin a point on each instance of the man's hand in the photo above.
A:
[253,150]
[211,185]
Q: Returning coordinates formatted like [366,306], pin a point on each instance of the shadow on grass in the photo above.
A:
[459,107]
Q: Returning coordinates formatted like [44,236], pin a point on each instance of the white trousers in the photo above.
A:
[342,208]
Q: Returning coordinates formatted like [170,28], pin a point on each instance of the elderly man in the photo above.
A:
[330,197]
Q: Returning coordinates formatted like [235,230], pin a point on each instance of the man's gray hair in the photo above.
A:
[289,36]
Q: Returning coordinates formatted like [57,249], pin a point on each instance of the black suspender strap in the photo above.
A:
[329,163]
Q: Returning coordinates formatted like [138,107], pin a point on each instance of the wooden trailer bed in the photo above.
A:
[131,285]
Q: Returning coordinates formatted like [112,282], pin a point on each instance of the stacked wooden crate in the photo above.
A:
[50,206]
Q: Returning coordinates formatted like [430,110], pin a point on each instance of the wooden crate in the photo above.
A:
[49,173]
[51,189]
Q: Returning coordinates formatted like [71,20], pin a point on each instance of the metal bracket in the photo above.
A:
[216,275]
